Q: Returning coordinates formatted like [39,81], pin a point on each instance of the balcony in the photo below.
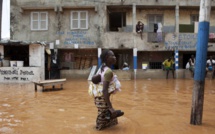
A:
[156,37]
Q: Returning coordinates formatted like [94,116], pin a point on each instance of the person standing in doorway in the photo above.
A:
[125,66]
[210,66]
[1,61]
[192,65]
[168,65]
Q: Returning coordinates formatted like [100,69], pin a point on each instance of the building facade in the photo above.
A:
[78,29]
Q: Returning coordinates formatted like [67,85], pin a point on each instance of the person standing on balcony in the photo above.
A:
[168,64]
[139,28]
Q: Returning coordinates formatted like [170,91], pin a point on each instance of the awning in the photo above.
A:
[17,42]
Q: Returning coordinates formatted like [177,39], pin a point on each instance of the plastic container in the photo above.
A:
[13,64]
[6,63]
[19,63]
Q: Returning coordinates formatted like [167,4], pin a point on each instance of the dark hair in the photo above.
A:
[96,78]
[104,54]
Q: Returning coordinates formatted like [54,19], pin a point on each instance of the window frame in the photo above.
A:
[195,16]
[79,19]
[155,20]
[39,20]
[121,21]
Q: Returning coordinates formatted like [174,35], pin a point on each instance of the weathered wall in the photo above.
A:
[184,17]
[98,35]
[112,2]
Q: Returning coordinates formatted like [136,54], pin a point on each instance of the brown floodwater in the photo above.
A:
[151,106]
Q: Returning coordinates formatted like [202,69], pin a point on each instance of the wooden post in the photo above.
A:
[35,87]
[200,65]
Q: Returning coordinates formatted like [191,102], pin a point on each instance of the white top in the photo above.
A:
[210,62]
[159,27]
[192,62]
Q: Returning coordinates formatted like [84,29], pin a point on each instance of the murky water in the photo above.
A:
[151,107]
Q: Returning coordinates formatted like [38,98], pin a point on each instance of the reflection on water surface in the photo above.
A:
[157,106]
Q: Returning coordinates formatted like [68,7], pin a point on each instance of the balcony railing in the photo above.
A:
[156,37]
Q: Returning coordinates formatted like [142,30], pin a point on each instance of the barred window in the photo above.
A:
[39,20]
[155,65]
[79,20]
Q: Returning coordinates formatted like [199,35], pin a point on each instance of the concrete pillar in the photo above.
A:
[2,51]
[1,2]
[176,63]
[177,18]
[135,61]
[177,36]
[134,17]
[5,20]
[200,64]
[99,59]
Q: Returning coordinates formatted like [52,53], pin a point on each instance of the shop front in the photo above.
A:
[22,62]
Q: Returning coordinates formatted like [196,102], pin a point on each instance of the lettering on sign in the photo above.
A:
[185,41]
[16,74]
[26,72]
[76,37]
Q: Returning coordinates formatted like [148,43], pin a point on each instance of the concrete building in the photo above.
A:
[79,29]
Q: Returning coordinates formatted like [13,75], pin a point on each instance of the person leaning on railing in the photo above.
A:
[139,28]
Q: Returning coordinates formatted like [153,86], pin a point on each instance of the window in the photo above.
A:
[153,21]
[39,20]
[117,20]
[189,28]
[79,20]
[155,65]
[17,53]
[155,28]
[194,18]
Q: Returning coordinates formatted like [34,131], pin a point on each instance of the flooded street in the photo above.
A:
[151,106]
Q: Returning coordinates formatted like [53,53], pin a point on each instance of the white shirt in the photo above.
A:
[210,62]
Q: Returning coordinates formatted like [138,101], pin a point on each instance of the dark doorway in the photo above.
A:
[186,58]
[123,55]
[117,20]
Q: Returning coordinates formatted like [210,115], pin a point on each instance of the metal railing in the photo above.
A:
[155,65]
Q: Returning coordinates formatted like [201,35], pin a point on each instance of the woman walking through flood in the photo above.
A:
[107,115]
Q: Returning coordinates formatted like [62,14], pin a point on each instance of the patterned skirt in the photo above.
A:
[103,119]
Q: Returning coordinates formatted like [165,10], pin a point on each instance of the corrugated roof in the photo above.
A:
[17,42]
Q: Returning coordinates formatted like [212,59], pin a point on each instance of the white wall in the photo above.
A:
[26,74]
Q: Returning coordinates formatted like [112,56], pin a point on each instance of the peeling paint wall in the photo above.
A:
[98,35]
